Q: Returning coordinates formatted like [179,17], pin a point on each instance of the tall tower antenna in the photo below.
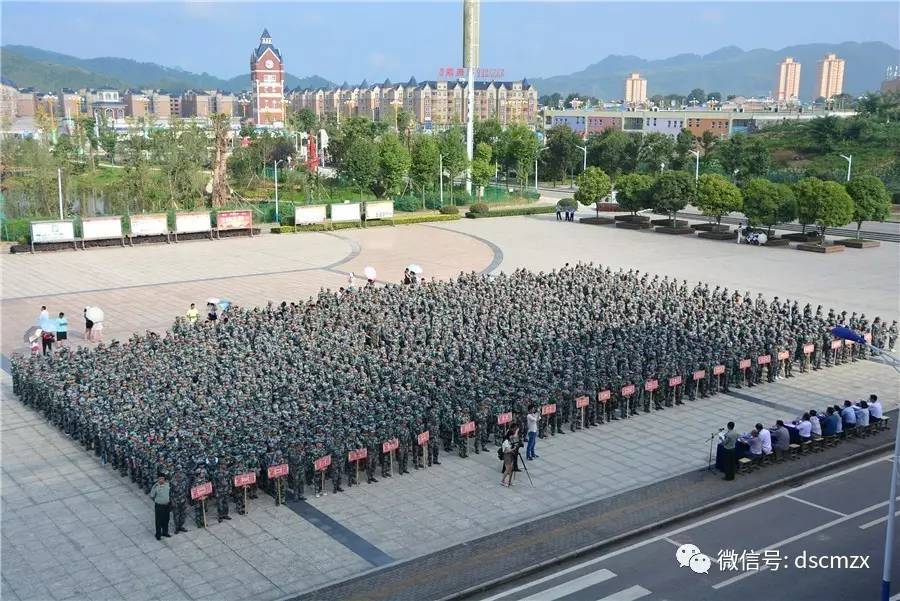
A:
[471,48]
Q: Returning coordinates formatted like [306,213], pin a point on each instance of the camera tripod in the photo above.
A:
[513,473]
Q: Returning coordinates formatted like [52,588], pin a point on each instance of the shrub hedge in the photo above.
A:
[513,212]
[399,220]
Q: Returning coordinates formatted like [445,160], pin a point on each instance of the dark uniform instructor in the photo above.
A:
[160,495]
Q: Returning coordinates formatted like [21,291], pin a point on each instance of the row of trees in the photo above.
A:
[765,203]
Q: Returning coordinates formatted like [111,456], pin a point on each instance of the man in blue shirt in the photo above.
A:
[62,329]
[848,416]
[830,423]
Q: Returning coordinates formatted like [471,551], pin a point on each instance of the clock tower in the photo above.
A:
[267,84]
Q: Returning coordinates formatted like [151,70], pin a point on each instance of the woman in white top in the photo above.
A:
[508,449]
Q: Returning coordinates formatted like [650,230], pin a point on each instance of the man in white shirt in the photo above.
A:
[875,411]
[862,414]
[804,428]
[532,433]
[765,438]
[814,421]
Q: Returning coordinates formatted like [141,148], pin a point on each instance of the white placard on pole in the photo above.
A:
[379,210]
[153,224]
[48,232]
[190,223]
[101,228]
[309,214]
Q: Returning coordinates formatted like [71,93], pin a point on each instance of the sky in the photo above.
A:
[374,40]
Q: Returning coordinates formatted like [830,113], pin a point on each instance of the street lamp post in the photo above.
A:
[849,160]
[277,215]
[848,334]
[662,167]
[441,176]
[696,154]
[583,163]
[59,189]
[536,167]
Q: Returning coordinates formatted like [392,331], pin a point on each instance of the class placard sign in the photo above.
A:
[764,359]
[783,355]
[504,418]
[201,491]
[699,374]
[101,228]
[155,224]
[379,210]
[393,444]
[744,364]
[190,223]
[808,349]
[277,471]
[548,409]
[358,454]
[651,385]
[835,345]
[848,343]
[582,402]
[604,395]
[467,428]
[46,232]
[674,381]
[234,220]
[718,370]
[245,479]
[628,390]
[309,214]
[345,212]
[423,437]
[322,463]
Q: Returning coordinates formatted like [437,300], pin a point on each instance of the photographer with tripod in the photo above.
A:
[510,453]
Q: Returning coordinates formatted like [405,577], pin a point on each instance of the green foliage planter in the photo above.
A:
[597,220]
[633,218]
[634,225]
[668,223]
[725,234]
[398,220]
[513,212]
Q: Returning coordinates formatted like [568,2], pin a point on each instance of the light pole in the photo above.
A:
[277,215]
[59,188]
[696,154]
[536,167]
[848,334]
[849,160]
[662,167]
[441,176]
[583,163]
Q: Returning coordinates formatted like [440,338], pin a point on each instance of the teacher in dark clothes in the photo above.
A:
[730,453]
[160,495]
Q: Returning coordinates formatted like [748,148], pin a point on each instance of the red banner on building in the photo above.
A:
[277,471]
[674,381]
[718,370]
[358,454]
[245,479]
[201,491]
[744,364]
[322,463]
[504,418]
[651,385]
[581,402]
[423,438]
[604,395]
[234,220]
[390,445]
[548,409]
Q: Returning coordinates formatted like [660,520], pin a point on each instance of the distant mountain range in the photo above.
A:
[27,66]
[728,70]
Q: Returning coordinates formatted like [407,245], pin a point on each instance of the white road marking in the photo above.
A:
[629,594]
[876,522]
[573,586]
[795,538]
[811,504]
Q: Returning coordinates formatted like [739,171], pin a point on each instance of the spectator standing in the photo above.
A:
[88,327]
[507,449]
[192,314]
[62,329]
[47,342]
[44,314]
[532,419]
[729,447]
[160,495]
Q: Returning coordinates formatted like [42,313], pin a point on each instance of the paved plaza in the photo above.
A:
[73,529]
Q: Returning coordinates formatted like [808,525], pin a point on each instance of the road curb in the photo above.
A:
[681,517]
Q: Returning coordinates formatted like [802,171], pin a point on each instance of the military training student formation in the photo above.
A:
[321,389]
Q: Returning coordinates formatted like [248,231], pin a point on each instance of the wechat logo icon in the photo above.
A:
[690,555]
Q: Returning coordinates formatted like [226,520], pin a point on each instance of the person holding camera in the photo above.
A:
[532,433]
[509,451]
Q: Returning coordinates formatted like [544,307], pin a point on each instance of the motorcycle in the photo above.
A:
[749,236]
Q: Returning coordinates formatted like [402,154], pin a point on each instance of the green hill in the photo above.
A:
[27,66]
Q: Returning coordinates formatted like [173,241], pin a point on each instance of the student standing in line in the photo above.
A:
[62,329]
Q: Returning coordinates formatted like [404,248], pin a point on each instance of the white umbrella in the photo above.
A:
[369,272]
[212,301]
[416,269]
[95,314]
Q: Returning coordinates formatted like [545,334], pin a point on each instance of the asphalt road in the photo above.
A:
[839,514]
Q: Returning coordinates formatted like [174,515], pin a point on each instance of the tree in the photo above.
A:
[393,166]
[453,148]
[825,132]
[520,147]
[672,191]
[107,138]
[714,96]
[707,142]
[562,152]
[684,144]
[361,162]
[482,169]
[716,196]
[593,185]
[424,162]
[633,191]
[871,201]
[489,131]
[614,151]
[304,120]
[697,95]
[767,203]
[743,156]
[655,150]
[826,204]
[220,125]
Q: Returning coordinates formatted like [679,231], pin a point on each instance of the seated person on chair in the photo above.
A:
[875,412]
[848,416]
[781,437]
[804,427]
[755,446]
[831,423]
[765,439]
[815,422]
[862,414]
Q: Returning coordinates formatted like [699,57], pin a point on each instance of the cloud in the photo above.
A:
[712,16]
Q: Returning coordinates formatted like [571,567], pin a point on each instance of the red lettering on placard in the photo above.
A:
[628,390]
[674,381]
[390,445]
[744,364]
[582,402]
[322,463]
[604,395]
[201,491]
[504,418]
[423,438]
[358,454]
[651,385]
[764,359]
[245,479]
[277,471]
[699,374]
[808,349]
[784,355]
[467,428]
[718,370]
[548,409]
